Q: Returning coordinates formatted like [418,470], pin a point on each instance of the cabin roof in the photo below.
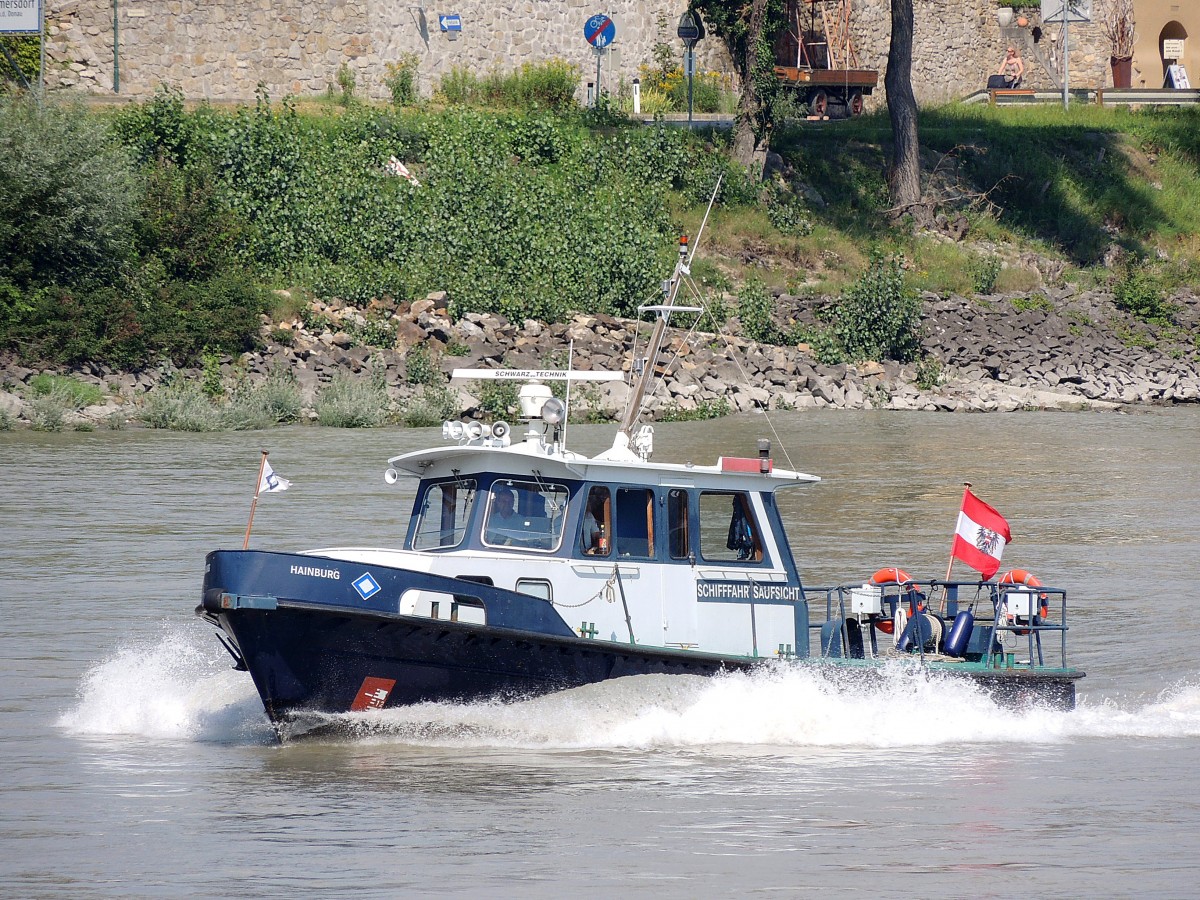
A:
[523,458]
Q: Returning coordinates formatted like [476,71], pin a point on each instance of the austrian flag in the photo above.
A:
[980,536]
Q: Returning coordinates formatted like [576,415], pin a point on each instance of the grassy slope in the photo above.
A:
[1065,185]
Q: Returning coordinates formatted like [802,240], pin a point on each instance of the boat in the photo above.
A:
[528,568]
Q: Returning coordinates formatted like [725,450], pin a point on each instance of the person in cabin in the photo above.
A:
[1012,68]
[503,520]
[592,538]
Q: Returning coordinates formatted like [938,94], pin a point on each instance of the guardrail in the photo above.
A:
[1100,96]
[1148,96]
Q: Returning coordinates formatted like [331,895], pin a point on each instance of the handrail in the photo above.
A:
[994,656]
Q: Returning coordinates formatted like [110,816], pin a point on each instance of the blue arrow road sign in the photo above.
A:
[452,22]
[599,31]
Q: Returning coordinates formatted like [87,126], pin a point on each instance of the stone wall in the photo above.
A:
[221,49]
[957,44]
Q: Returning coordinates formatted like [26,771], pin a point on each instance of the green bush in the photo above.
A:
[347,402]
[179,406]
[878,317]
[497,397]
[534,86]
[755,305]
[401,79]
[347,81]
[47,409]
[25,51]
[433,405]
[1139,291]
[76,393]
[706,409]
[273,401]
[984,271]
[420,367]
[185,222]
[160,128]
[68,198]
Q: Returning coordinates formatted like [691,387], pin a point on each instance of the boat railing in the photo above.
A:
[1001,626]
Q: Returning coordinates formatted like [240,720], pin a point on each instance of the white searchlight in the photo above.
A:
[391,476]
[554,411]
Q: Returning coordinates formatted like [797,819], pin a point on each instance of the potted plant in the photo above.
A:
[1004,15]
[1024,9]
[1116,23]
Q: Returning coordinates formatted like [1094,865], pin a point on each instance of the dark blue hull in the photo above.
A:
[319,649]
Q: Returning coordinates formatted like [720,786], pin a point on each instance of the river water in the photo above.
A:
[138,764]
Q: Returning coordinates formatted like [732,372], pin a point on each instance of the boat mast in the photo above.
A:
[670,291]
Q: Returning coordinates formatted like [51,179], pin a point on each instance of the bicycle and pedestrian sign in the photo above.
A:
[600,31]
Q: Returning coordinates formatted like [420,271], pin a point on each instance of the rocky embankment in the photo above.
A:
[1059,349]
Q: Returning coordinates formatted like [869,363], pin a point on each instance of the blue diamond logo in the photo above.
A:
[366,586]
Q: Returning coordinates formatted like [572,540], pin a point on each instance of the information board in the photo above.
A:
[21,17]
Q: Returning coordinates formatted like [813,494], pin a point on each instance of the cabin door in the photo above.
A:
[678,577]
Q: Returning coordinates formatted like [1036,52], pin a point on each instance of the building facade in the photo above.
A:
[1166,27]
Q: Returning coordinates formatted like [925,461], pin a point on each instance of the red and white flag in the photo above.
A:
[981,535]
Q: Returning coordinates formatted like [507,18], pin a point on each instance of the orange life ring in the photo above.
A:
[1020,576]
[891,575]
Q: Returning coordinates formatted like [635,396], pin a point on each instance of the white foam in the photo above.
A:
[773,709]
[179,685]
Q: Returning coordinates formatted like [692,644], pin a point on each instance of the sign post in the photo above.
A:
[599,31]
[690,30]
[1066,12]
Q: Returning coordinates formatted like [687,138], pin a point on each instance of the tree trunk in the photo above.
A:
[904,173]
[750,139]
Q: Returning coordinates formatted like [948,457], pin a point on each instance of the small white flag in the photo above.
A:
[271,482]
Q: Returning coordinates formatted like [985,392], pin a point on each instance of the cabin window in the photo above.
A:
[635,522]
[444,513]
[677,523]
[728,529]
[536,587]
[595,533]
[525,514]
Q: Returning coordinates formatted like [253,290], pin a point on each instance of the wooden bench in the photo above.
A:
[1011,95]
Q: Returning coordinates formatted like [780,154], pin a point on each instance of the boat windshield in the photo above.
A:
[445,510]
[525,514]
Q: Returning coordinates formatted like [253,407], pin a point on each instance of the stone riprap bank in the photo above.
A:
[221,50]
[1059,350]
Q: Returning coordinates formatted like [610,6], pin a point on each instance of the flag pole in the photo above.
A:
[262,464]
[966,490]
